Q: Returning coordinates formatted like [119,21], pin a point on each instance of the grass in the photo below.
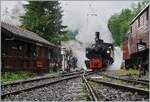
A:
[11,76]
[127,94]
[134,73]
[20,75]
[124,72]
[146,77]
[118,81]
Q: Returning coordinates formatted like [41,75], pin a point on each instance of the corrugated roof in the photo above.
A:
[140,13]
[25,33]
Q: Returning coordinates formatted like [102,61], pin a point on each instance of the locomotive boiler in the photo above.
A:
[100,54]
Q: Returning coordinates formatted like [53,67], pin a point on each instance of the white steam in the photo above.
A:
[11,11]
[117,59]
[78,51]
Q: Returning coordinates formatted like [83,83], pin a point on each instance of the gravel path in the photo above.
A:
[63,91]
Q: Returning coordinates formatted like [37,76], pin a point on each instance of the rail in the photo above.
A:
[39,86]
[133,89]
[127,80]
[90,89]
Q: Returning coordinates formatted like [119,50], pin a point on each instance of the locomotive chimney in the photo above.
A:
[97,35]
[97,38]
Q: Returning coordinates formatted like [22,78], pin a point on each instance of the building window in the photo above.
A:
[142,20]
[19,47]
[147,14]
[131,29]
[14,47]
[139,22]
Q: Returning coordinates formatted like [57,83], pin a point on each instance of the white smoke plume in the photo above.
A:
[117,59]
[78,50]
[12,14]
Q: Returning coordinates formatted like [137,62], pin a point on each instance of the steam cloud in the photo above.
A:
[12,14]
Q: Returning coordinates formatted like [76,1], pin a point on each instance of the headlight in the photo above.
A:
[108,51]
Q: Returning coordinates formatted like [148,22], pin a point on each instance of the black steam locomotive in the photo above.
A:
[99,55]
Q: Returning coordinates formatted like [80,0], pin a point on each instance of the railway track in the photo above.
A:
[125,81]
[93,95]
[27,85]
[147,81]
[132,89]
[24,86]
[38,79]
[110,91]
[144,82]
[115,92]
[91,91]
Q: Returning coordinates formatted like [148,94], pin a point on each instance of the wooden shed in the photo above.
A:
[25,50]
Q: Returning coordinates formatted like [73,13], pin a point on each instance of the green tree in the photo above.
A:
[45,19]
[118,24]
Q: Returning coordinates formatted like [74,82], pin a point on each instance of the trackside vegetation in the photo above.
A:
[11,76]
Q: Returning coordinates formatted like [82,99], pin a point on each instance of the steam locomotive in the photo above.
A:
[100,54]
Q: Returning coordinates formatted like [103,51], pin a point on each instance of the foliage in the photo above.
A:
[45,19]
[10,76]
[133,73]
[118,24]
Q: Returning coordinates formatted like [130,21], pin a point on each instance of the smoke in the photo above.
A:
[117,59]
[12,13]
[78,50]
[17,11]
